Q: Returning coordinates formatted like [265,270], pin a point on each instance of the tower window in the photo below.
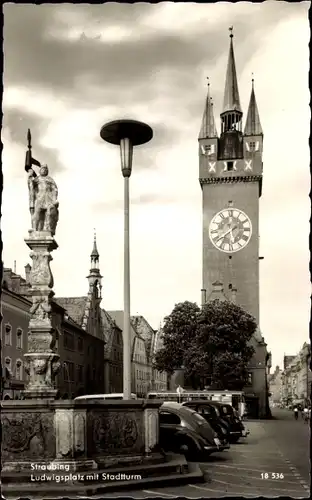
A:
[252,146]
[230,166]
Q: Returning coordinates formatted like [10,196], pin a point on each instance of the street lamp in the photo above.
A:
[126,134]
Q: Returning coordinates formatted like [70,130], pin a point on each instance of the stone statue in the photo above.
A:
[43,202]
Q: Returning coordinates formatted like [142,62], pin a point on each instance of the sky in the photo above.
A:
[68,69]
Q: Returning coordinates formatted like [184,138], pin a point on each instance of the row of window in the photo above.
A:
[76,373]
[143,375]
[8,336]
[210,148]
[139,358]
[17,371]
[69,342]
[117,355]
[116,370]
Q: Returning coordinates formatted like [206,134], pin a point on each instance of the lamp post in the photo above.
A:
[126,134]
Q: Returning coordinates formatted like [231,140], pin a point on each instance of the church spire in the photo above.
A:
[253,125]
[208,128]
[95,278]
[95,254]
[231,101]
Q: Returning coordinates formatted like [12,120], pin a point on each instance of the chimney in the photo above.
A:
[27,273]
[203,296]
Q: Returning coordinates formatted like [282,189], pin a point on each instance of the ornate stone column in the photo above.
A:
[41,361]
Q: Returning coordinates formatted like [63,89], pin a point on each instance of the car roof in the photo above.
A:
[197,402]
[172,405]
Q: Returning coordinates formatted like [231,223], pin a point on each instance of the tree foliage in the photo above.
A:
[179,331]
[212,343]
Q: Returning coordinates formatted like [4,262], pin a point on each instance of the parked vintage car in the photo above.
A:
[210,414]
[182,430]
[228,415]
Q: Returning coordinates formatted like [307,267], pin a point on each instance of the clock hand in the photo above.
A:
[224,234]
[227,232]
[232,237]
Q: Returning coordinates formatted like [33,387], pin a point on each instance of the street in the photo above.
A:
[273,461]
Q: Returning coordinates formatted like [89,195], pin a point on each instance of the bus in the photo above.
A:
[234,398]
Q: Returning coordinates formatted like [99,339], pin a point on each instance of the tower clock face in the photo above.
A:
[230,230]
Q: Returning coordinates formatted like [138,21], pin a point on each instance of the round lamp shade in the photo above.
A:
[137,132]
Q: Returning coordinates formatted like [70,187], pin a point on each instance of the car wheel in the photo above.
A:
[187,448]
[234,439]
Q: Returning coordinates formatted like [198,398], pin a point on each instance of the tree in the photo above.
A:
[211,343]
[179,331]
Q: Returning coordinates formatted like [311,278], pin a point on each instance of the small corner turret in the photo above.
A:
[208,138]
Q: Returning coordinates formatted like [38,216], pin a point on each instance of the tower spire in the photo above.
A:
[95,252]
[95,278]
[208,126]
[253,125]
[231,101]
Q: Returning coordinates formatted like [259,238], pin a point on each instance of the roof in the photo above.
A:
[144,330]
[95,252]
[208,127]
[253,125]
[74,306]
[231,101]
[118,317]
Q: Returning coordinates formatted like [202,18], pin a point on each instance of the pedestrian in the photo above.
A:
[296,413]
[306,414]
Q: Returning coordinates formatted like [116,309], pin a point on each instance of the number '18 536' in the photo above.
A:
[272,475]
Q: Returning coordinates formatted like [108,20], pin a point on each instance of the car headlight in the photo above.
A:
[217,441]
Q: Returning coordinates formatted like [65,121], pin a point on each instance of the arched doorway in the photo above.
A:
[7,397]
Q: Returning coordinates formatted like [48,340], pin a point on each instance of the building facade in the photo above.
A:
[81,352]
[276,386]
[14,332]
[297,377]
[230,176]
[153,342]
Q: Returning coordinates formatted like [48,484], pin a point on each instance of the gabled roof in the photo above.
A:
[144,330]
[74,306]
[118,317]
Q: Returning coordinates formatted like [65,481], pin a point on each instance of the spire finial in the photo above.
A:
[208,82]
[252,80]
[95,252]
[231,31]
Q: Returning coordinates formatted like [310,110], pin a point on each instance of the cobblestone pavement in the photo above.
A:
[273,461]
